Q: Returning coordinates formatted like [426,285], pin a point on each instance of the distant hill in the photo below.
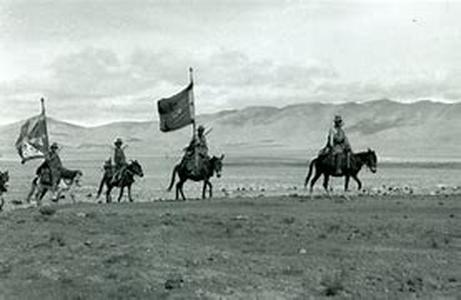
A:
[425,130]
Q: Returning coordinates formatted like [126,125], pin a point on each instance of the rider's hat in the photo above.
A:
[118,141]
[201,128]
[338,119]
[54,146]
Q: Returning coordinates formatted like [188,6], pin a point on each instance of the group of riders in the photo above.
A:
[337,151]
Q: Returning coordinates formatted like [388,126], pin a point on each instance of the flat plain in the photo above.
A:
[277,247]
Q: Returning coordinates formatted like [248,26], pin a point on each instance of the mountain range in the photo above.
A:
[423,130]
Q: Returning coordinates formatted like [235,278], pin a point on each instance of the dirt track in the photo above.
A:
[243,248]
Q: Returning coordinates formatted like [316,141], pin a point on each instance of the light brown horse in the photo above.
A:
[41,184]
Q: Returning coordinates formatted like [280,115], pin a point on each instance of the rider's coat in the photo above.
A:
[119,158]
[196,153]
[55,165]
[337,140]
[200,145]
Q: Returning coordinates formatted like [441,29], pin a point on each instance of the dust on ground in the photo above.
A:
[393,247]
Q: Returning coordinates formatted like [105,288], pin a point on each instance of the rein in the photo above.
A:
[130,171]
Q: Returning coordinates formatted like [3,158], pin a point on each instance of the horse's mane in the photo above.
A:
[363,155]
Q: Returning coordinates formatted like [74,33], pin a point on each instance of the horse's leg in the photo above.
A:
[58,194]
[40,195]
[326,178]
[346,183]
[211,189]
[32,190]
[120,195]
[182,192]
[359,183]
[71,192]
[129,193]
[177,190]
[314,180]
[101,185]
[108,193]
[204,189]
[179,187]
[38,190]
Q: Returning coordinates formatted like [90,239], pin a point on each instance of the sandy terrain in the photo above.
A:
[393,247]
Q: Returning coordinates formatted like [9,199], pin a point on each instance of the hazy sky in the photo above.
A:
[100,61]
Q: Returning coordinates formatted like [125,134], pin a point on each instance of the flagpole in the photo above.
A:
[194,124]
[191,79]
[46,141]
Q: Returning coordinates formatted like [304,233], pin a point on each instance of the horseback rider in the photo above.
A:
[337,145]
[54,165]
[199,142]
[120,163]
[197,151]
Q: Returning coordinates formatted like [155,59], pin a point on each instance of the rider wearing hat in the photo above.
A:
[53,161]
[119,159]
[197,149]
[201,145]
[338,143]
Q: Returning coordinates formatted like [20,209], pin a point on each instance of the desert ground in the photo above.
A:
[274,247]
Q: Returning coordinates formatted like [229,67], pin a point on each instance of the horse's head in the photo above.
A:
[217,163]
[78,176]
[372,160]
[4,177]
[136,168]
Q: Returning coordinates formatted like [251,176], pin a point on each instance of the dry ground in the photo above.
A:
[240,248]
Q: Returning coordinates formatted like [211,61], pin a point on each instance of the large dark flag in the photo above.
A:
[33,139]
[177,111]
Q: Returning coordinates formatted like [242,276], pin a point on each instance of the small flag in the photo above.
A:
[33,139]
[177,111]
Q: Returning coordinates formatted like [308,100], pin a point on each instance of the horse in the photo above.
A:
[4,177]
[126,180]
[41,184]
[323,165]
[210,167]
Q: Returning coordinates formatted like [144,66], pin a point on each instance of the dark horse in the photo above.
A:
[210,166]
[323,165]
[126,180]
[4,177]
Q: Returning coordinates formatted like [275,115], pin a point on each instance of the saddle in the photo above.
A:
[114,174]
[45,174]
[337,161]
[194,164]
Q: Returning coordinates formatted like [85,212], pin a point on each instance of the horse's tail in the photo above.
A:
[173,177]
[101,185]
[311,166]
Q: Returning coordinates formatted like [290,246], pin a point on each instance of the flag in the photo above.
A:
[33,139]
[177,111]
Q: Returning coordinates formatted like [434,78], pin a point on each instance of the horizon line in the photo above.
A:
[153,120]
